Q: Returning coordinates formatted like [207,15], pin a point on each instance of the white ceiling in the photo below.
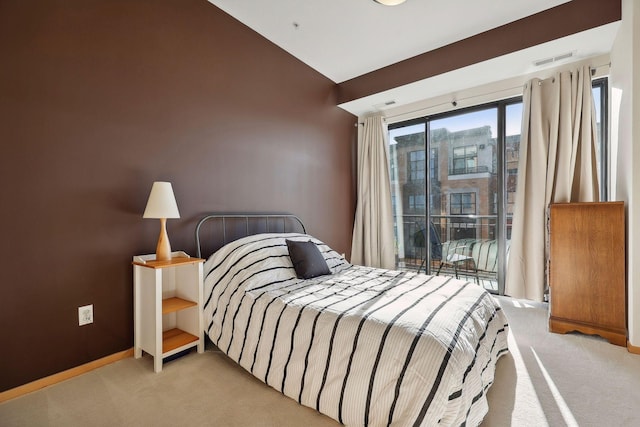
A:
[343,39]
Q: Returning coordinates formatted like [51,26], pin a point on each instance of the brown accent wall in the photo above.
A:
[100,98]
[568,18]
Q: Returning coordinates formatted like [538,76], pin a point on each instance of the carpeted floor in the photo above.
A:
[545,380]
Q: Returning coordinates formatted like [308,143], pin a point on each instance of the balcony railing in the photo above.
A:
[468,170]
[412,250]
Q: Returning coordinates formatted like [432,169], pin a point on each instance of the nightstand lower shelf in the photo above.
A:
[175,339]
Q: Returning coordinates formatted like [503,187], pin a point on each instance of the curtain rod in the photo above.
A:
[595,67]
[593,73]
[454,102]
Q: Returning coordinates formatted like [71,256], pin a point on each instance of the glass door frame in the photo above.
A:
[501,222]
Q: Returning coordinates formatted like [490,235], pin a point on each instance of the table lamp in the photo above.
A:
[162,205]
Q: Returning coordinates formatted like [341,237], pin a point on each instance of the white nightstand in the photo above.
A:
[167,306]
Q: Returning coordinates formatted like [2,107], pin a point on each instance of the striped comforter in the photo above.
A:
[364,346]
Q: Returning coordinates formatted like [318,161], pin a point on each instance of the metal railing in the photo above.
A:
[411,252]
[467,170]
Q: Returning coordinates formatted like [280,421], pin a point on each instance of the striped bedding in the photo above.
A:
[364,346]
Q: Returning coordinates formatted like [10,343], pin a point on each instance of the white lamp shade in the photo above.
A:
[162,202]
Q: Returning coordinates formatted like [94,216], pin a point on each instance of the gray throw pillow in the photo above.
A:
[307,259]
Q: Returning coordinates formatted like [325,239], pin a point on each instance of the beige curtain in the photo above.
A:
[557,164]
[372,243]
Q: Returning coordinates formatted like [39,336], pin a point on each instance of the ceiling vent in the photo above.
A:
[385,104]
[545,61]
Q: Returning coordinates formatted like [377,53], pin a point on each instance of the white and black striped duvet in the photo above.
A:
[364,346]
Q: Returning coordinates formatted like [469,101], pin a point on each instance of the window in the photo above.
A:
[433,165]
[459,172]
[600,102]
[392,172]
[513,119]
[416,165]
[417,203]
[463,204]
[465,160]
[512,177]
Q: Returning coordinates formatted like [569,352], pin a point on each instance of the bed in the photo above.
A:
[364,346]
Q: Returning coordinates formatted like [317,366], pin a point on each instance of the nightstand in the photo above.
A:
[167,306]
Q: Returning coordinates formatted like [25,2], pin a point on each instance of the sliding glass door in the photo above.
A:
[464,213]
[453,183]
[408,170]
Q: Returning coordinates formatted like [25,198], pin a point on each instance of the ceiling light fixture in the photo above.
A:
[390,2]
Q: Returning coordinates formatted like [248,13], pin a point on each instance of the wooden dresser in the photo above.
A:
[587,270]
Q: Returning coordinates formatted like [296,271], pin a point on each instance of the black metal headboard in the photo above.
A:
[216,230]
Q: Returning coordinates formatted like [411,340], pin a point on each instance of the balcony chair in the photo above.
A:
[460,254]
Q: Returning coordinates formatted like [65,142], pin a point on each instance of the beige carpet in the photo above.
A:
[547,379]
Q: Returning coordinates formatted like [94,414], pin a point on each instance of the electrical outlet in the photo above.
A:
[85,314]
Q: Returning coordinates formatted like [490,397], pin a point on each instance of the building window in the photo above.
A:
[433,165]
[463,203]
[416,165]
[465,159]
[512,180]
[417,203]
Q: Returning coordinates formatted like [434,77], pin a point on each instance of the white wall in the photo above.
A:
[625,139]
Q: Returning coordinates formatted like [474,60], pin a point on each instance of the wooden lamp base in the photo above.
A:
[163,250]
